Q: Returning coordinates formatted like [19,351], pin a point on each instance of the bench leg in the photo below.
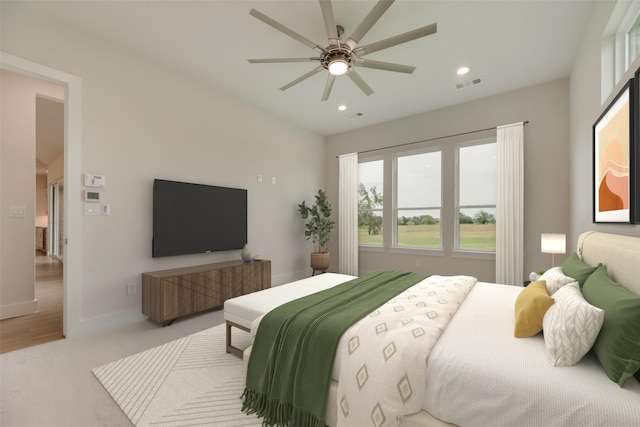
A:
[230,348]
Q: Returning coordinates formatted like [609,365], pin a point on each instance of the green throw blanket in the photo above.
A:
[292,357]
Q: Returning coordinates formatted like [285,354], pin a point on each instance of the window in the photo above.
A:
[620,45]
[370,186]
[477,197]
[633,40]
[418,195]
[441,199]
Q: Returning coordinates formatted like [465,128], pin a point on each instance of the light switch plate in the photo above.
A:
[91,209]
[18,211]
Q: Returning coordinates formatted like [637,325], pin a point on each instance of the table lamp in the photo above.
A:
[551,243]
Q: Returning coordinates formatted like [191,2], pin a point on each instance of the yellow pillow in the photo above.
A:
[531,305]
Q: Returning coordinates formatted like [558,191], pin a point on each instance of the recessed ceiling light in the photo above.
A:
[342,107]
[463,70]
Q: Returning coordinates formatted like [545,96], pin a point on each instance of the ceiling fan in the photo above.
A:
[341,57]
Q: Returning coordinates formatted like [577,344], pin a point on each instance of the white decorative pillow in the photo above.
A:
[555,279]
[570,326]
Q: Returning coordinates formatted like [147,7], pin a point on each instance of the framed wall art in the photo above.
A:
[614,162]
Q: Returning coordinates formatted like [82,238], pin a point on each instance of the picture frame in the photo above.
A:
[635,153]
[615,159]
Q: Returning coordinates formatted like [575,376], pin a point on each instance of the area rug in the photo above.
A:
[191,381]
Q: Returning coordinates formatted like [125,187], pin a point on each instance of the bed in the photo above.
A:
[478,373]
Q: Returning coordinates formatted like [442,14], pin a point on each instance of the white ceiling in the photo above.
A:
[508,44]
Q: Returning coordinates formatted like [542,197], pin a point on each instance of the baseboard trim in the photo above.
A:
[109,321]
[18,309]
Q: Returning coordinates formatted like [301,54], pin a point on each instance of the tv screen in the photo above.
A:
[195,218]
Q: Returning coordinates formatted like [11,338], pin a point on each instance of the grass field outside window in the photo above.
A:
[480,237]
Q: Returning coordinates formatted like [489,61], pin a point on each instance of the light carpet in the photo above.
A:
[191,381]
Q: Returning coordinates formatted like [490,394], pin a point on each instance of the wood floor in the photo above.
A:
[46,324]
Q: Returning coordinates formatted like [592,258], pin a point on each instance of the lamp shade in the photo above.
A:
[338,67]
[551,243]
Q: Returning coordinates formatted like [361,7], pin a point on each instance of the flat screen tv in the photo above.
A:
[195,218]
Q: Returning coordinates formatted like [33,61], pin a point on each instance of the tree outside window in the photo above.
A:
[370,202]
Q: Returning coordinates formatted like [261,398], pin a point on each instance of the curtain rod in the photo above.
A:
[430,139]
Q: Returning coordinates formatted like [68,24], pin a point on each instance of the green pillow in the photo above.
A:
[578,269]
[618,344]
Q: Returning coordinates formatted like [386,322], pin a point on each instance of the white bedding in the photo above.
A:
[382,356]
[480,375]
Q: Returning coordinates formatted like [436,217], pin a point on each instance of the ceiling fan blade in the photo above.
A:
[306,76]
[387,66]
[279,60]
[327,87]
[369,21]
[355,77]
[396,40]
[278,26]
[329,22]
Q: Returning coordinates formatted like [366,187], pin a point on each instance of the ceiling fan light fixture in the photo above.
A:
[338,66]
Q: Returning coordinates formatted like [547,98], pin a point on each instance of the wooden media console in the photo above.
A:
[169,294]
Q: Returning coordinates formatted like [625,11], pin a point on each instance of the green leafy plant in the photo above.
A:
[319,223]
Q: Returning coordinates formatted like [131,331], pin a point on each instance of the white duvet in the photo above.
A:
[480,375]
[383,357]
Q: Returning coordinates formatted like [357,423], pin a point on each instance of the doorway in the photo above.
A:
[71,240]
[45,322]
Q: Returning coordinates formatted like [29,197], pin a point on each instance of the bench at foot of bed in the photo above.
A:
[240,312]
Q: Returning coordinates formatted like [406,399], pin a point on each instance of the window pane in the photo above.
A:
[419,180]
[419,228]
[477,197]
[478,175]
[370,177]
[634,41]
[419,199]
[371,233]
[478,229]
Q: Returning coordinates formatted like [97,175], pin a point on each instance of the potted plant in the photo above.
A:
[318,229]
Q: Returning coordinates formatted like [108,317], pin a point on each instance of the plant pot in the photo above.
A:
[319,261]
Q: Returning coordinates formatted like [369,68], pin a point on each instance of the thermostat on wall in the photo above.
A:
[91,196]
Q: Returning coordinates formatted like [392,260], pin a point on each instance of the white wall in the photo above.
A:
[140,121]
[55,170]
[17,188]
[585,95]
[546,155]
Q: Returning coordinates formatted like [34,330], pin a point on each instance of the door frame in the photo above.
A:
[72,273]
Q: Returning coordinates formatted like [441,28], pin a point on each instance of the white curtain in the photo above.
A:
[348,214]
[510,204]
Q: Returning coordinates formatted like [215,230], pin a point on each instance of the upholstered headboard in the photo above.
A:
[619,254]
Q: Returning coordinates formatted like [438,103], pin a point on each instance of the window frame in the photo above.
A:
[631,17]
[367,159]
[475,253]
[449,187]
[395,246]
[615,58]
